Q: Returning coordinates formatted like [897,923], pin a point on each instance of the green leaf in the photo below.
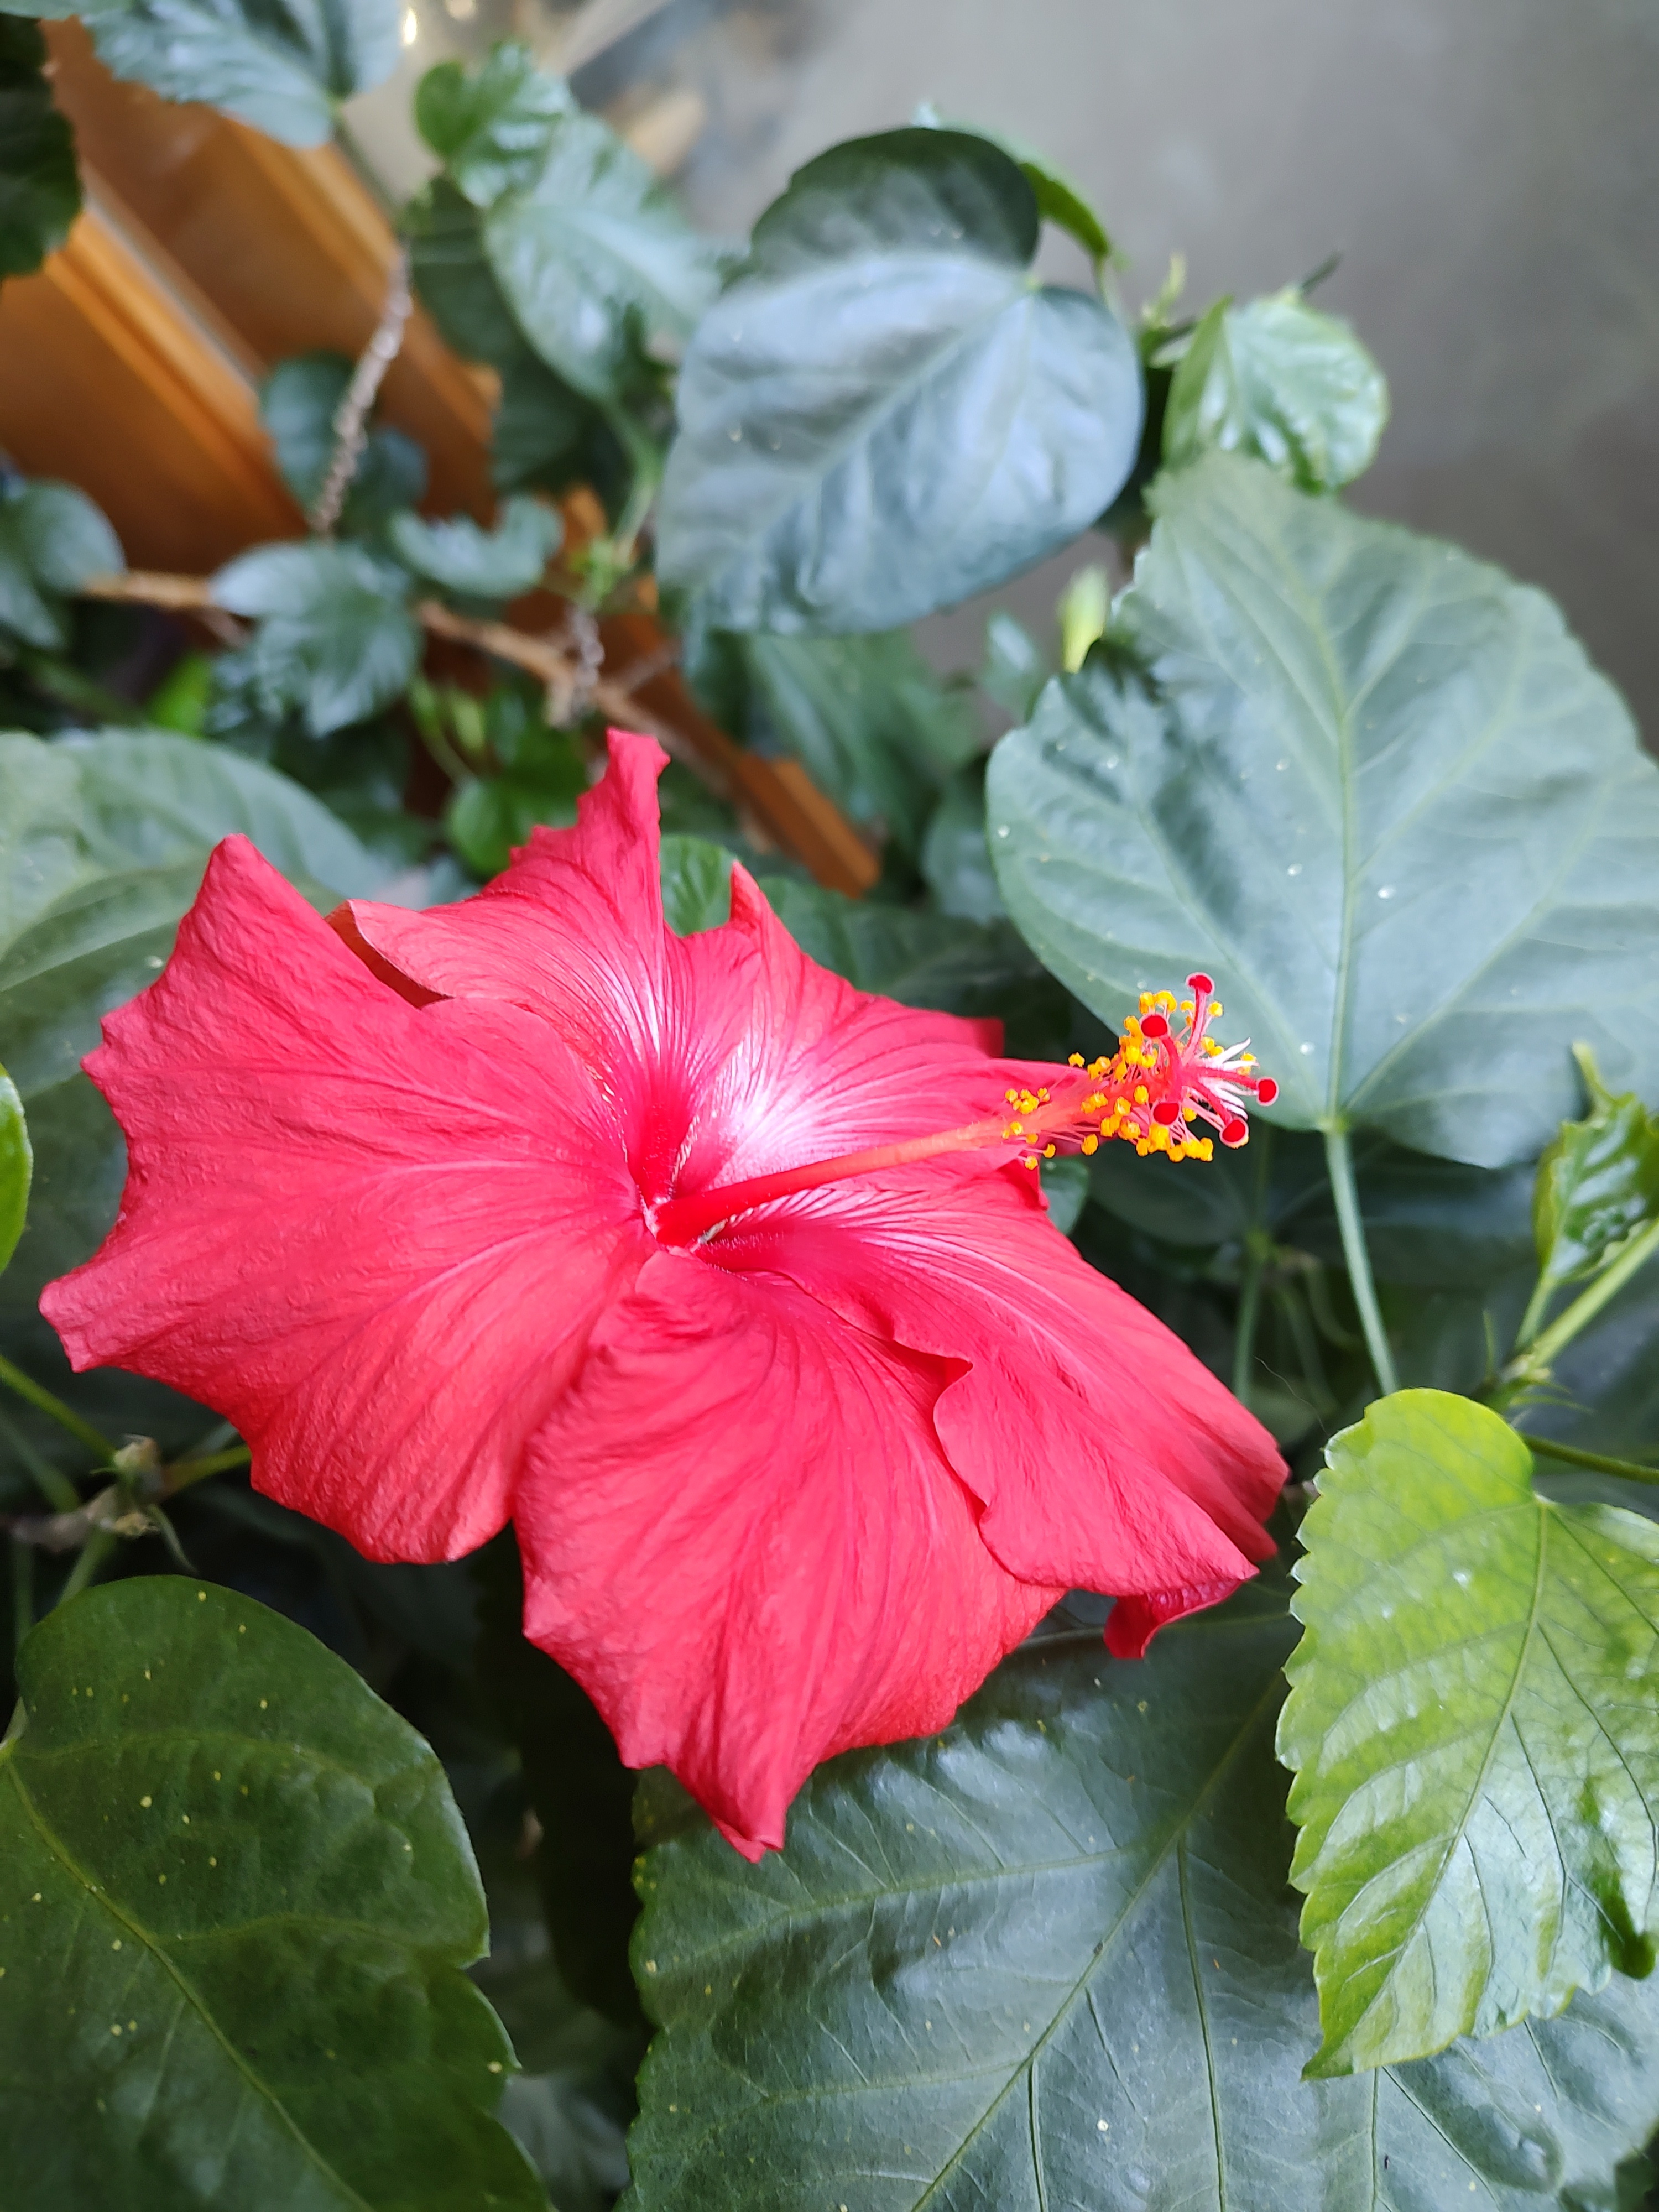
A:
[491,126]
[1059,200]
[1598,1184]
[696,885]
[454,280]
[1477,1752]
[955,860]
[885,413]
[235,1900]
[1047,1958]
[53,540]
[39,186]
[544,774]
[297,402]
[16,1166]
[594,258]
[457,556]
[544,434]
[278,64]
[866,716]
[336,640]
[1281,380]
[1374,788]
[1015,667]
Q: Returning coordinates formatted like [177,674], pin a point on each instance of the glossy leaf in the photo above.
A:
[336,640]
[1015,667]
[1598,1184]
[457,556]
[1375,788]
[1047,1958]
[1474,1735]
[594,258]
[235,1900]
[16,1165]
[278,64]
[455,282]
[491,126]
[696,885]
[955,860]
[40,186]
[1283,381]
[884,414]
[297,402]
[52,539]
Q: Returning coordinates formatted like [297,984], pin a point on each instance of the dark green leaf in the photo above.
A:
[1477,1752]
[595,259]
[1281,380]
[53,540]
[1060,202]
[1597,1183]
[16,1166]
[235,1904]
[336,640]
[866,716]
[885,414]
[40,186]
[279,64]
[956,862]
[696,885]
[490,816]
[459,556]
[297,402]
[545,434]
[491,126]
[456,283]
[1047,1959]
[1378,793]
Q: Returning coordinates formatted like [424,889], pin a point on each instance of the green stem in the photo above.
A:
[1631,1470]
[54,1485]
[1533,1319]
[89,1564]
[1339,1165]
[183,1472]
[1584,1307]
[65,1416]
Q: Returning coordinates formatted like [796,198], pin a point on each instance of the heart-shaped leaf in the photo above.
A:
[1375,788]
[1284,381]
[235,1900]
[1473,1733]
[594,258]
[457,556]
[39,186]
[336,640]
[280,65]
[1047,1958]
[885,413]
[491,126]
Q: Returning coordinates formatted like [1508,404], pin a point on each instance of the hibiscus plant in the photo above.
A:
[988,1545]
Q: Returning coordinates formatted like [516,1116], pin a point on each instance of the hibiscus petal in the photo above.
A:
[1107,1456]
[742,1537]
[374,1237]
[573,930]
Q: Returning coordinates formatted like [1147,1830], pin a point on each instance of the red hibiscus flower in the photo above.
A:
[728,1282]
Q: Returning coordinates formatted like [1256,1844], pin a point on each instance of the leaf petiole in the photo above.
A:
[1339,1165]
[1535,1362]
[65,1416]
[1629,1469]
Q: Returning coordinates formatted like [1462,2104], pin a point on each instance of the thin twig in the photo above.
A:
[351,417]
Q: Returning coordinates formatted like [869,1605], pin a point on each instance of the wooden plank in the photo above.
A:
[108,382]
[287,244]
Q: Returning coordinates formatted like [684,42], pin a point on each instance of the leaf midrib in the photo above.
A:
[188,1995]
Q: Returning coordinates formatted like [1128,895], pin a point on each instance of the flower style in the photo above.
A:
[804,1412]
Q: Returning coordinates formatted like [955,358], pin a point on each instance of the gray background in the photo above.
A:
[1488,169]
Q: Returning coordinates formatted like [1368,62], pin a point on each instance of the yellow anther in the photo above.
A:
[1217,1009]
[1189,1113]
[1047,1151]
[1091,1144]
[1142,1095]
[1010,1095]
[1073,1060]
[1030,1159]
